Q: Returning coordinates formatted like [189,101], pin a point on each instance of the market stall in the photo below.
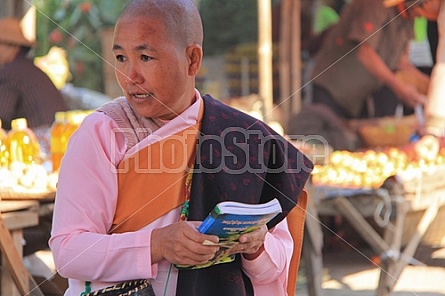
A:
[22,204]
[28,181]
[393,196]
[14,277]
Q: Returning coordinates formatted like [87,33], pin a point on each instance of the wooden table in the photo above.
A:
[389,210]
[15,215]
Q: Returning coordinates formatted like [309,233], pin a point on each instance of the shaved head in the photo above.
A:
[180,17]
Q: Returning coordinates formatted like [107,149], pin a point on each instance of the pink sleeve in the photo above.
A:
[268,272]
[84,210]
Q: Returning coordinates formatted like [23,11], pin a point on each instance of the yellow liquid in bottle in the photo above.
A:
[4,150]
[61,131]
[23,144]
[58,139]
[74,119]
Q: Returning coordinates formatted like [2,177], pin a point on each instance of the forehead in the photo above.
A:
[139,28]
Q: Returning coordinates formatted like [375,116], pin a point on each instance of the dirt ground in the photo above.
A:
[351,273]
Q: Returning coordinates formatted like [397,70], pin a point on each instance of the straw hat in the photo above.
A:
[12,33]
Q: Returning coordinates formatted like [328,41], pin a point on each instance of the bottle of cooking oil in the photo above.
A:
[2,131]
[4,150]
[58,139]
[23,144]
[74,119]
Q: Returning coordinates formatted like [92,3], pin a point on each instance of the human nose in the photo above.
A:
[133,75]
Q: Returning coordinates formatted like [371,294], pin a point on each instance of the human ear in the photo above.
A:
[194,55]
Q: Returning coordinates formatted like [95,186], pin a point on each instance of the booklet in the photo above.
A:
[229,220]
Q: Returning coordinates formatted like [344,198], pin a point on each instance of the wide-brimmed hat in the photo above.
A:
[391,3]
[11,32]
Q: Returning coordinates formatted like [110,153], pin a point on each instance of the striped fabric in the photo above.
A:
[26,91]
[129,288]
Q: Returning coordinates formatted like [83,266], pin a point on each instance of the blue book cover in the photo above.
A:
[229,220]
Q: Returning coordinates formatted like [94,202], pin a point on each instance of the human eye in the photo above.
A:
[145,58]
[120,58]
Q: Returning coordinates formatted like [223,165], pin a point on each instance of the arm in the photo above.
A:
[270,266]
[84,210]
[435,109]
[414,73]
[428,146]
[375,65]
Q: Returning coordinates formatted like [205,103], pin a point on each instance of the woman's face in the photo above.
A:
[152,70]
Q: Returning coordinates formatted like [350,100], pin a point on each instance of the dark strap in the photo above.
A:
[277,169]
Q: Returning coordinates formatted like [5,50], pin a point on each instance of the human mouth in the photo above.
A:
[141,96]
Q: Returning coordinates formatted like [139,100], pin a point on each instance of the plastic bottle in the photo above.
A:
[2,131]
[69,126]
[4,150]
[23,144]
[74,119]
[57,139]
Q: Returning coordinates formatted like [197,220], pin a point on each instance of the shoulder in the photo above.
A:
[98,126]
[22,68]
[21,63]
[98,120]
[225,116]
[99,132]
[116,110]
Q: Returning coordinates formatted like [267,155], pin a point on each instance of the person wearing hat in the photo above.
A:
[25,90]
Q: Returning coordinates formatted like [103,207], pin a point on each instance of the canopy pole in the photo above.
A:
[265,71]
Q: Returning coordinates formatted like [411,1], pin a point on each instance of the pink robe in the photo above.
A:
[85,206]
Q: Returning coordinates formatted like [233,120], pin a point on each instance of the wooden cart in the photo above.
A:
[19,210]
[407,218]
[16,215]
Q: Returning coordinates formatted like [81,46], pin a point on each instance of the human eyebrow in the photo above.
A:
[145,47]
[117,47]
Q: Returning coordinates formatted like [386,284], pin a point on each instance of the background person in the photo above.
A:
[25,90]
[117,219]
[435,108]
[355,71]
[360,57]
[433,129]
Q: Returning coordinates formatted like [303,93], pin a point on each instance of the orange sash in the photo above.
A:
[151,182]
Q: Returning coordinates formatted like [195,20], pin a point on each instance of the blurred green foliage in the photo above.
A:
[228,23]
[75,26]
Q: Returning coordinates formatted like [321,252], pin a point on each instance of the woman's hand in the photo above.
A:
[181,243]
[251,244]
